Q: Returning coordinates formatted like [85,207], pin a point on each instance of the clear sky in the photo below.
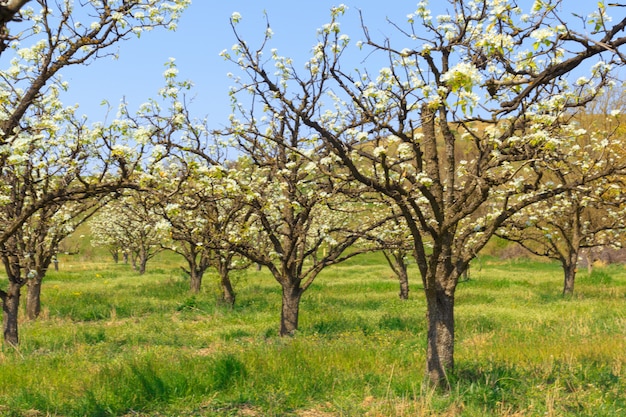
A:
[204,31]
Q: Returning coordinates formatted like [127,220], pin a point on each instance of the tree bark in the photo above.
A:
[403,277]
[133,260]
[116,255]
[569,272]
[143,261]
[142,266]
[33,298]
[195,280]
[10,309]
[228,293]
[290,309]
[440,352]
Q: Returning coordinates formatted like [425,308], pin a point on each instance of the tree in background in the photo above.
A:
[592,216]
[476,104]
[561,228]
[190,193]
[131,222]
[40,238]
[398,253]
[201,217]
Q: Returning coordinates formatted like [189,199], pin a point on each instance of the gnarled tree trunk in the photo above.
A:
[569,278]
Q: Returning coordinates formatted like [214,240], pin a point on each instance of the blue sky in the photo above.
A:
[203,32]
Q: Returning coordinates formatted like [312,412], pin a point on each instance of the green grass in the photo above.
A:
[113,343]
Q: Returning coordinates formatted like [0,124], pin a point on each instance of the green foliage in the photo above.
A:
[143,345]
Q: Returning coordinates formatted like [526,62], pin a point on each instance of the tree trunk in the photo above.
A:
[33,298]
[569,271]
[195,280]
[142,266]
[228,293]
[403,277]
[440,352]
[10,309]
[143,261]
[133,260]
[399,267]
[290,309]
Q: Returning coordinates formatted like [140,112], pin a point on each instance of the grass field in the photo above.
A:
[111,342]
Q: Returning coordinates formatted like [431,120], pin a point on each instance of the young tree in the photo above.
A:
[189,191]
[474,101]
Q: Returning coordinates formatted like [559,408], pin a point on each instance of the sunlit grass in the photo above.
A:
[111,342]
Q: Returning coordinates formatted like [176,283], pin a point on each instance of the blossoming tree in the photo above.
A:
[398,253]
[201,216]
[591,217]
[39,240]
[300,220]
[562,227]
[133,223]
[475,100]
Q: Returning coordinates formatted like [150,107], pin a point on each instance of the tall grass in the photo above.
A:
[111,342]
